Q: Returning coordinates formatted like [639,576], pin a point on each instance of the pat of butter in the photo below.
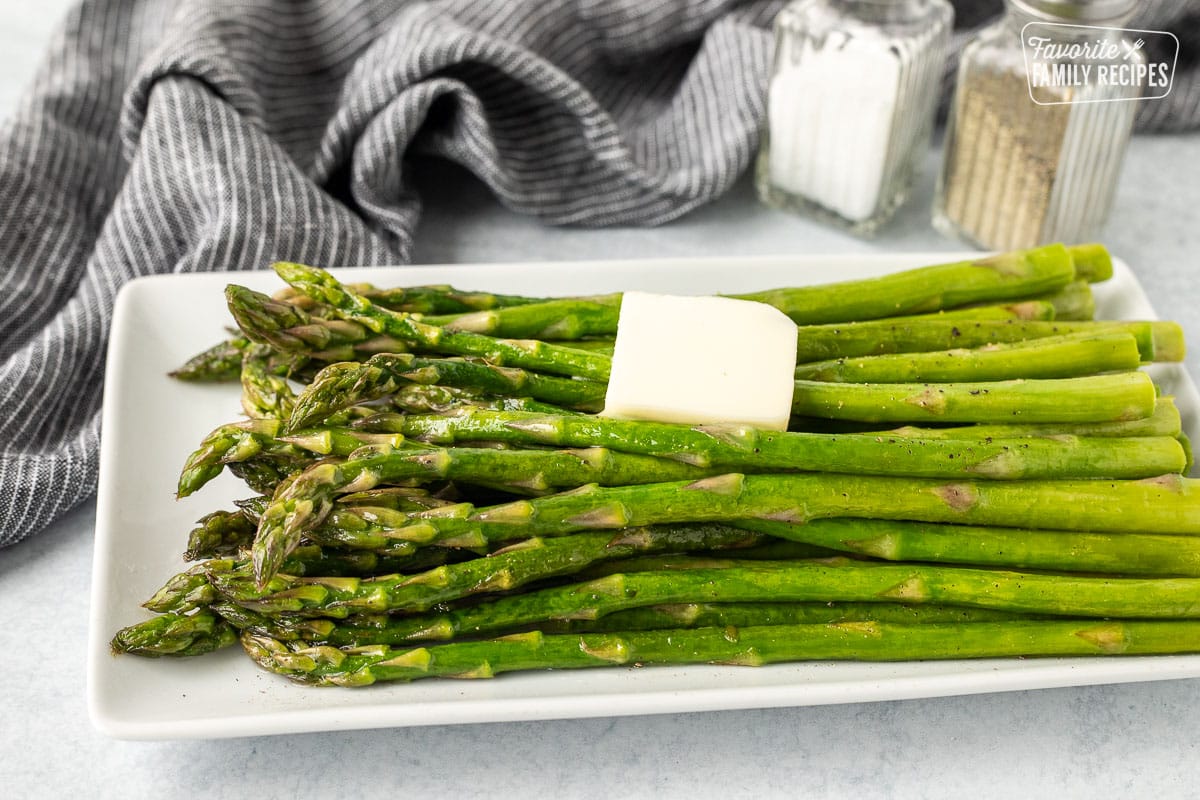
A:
[701,360]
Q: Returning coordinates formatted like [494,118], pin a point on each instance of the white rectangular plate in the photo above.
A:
[152,422]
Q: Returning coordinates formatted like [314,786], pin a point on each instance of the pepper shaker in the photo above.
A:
[1028,164]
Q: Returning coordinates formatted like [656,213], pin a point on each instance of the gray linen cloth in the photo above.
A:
[187,135]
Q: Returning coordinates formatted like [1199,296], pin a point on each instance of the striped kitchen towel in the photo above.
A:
[189,135]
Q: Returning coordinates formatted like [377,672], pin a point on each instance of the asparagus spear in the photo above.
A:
[1093,263]
[1165,421]
[577,317]
[566,318]
[186,591]
[504,570]
[218,364]
[419,398]
[265,395]
[338,386]
[1074,301]
[290,329]
[221,533]
[823,580]
[265,475]
[1066,551]
[1168,504]
[1157,341]
[737,447]
[706,615]
[391,630]
[498,323]
[1065,356]
[1099,398]
[193,588]
[438,299]
[175,634]
[524,353]
[430,299]
[750,646]
[1018,310]
[241,441]
[1006,276]
[364,528]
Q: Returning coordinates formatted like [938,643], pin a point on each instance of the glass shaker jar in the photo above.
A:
[850,106]
[1035,141]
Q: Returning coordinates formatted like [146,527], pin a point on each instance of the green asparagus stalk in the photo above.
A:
[386,629]
[1099,398]
[1018,310]
[341,385]
[439,299]
[365,521]
[504,570]
[365,528]
[193,588]
[498,322]
[432,299]
[186,591]
[1093,263]
[1157,341]
[563,319]
[289,329]
[1066,356]
[1008,276]
[265,395]
[220,534]
[846,580]
[359,521]
[577,317]
[737,447]
[708,615]
[1015,548]
[527,354]
[1169,504]
[341,563]
[241,441]
[394,499]
[419,398]
[175,635]
[1165,421]
[220,363]
[265,475]
[750,646]
[1074,301]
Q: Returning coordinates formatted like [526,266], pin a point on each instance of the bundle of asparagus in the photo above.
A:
[975,467]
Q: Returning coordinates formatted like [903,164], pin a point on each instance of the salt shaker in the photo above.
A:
[850,106]
[1034,142]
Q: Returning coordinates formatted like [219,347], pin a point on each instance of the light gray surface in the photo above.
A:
[1118,741]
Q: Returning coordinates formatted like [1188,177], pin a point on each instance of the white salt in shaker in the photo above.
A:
[850,105]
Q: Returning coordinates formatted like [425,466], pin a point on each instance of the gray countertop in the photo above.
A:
[1135,740]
